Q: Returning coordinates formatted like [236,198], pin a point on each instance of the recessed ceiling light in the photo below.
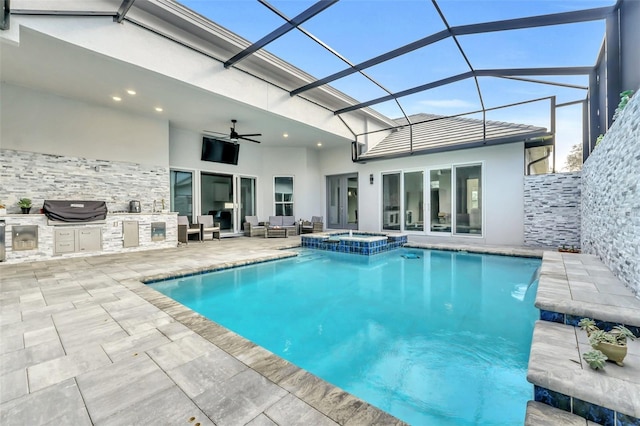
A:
[131,92]
[116,98]
[319,143]
[285,135]
[159,109]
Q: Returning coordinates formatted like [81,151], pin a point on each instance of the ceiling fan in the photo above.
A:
[234,135]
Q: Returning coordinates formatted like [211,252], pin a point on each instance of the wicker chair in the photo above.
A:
[184,230]
[253,228]
[316,225]
[208,225]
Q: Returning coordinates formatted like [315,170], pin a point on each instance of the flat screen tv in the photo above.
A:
[219,151]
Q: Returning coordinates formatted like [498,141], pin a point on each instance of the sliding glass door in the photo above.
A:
[413,201]
[440,200]
[391,201]
[468,200]
[216,199]
[342,201]
[247,199]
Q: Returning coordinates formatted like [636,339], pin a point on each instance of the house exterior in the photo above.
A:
[65,136]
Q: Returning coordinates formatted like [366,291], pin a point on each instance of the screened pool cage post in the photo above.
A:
[552,103]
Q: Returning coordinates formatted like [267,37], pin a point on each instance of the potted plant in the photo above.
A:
[611,345]
[25,205]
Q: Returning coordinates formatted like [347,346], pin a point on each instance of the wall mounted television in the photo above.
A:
[219,151]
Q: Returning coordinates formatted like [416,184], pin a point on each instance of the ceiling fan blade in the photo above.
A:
[251,134]
[247,139]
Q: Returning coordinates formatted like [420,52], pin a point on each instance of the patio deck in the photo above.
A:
[84,341]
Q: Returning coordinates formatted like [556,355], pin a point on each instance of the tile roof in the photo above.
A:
[436,133]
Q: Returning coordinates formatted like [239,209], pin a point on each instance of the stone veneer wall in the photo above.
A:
[52,177]
[552,210]
[611,198]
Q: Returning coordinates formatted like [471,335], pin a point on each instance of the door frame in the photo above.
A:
[343,215]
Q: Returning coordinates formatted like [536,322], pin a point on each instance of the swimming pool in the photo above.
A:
[434,338]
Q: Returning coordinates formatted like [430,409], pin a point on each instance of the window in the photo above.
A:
[391,201]
[468,200]
[181,186]
[283,191]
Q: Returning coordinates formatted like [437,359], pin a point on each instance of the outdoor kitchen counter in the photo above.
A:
[110,230]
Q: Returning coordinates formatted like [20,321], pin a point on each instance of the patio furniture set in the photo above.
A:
[280,226]
[204,225]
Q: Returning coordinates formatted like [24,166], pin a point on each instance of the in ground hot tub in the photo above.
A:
[366,243]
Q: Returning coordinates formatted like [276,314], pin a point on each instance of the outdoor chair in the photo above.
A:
[253,228]
[185,229]
[315,225]
[207,225]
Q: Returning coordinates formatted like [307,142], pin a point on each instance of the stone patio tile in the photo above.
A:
[131,345]
[75,340]
[60,369]
[22,327]
[175,330]
[13,385]
[145,322]
[205,372]
[261,420]
[68,294]
[82,316]
[292,411]
[56,405]
[10,315]
[340,405]
[181,351]
[582,286]
[43,335]
[605,299]
[111,389]
[94,300]
[32,355]
[39,312]
[168,407]
[11,343]
[239,399]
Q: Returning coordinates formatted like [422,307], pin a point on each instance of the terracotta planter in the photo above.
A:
[615,353]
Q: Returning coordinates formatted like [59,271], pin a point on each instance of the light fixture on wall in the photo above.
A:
[371,178]
[228,205]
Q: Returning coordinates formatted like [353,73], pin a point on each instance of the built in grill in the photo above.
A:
[75,211]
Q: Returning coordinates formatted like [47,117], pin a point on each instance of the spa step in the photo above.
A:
[562,379]
[539,414]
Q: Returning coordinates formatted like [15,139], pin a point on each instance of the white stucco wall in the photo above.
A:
[503,203]
[43,122]
[263,163]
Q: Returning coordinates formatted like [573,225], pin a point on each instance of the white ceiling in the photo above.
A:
[44,63]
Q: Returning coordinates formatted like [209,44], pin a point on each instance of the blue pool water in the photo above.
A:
[431,337]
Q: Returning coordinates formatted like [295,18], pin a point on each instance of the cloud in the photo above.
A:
[448,103]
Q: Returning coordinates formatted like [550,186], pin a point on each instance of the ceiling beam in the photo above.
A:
[469,74]
[282,30]
[510,24]
[122,11]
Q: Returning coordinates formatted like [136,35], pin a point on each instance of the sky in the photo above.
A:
[361,29]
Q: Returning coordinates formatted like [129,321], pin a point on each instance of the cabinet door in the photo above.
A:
[64,240]
[89,239]
[130,237]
